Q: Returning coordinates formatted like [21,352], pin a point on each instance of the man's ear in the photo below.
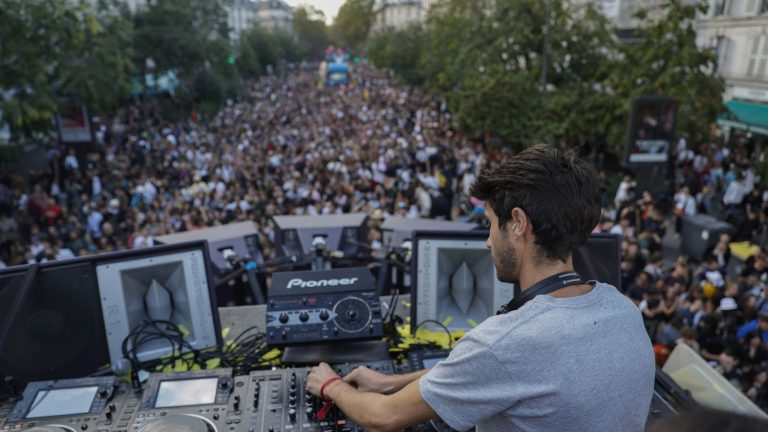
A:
[519,220]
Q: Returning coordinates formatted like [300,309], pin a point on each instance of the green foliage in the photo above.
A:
[666,61]
[400,51]
[311,32]
[353,23]
[51,49]
[503,72]
[260,50]
[180,35]
[487,58]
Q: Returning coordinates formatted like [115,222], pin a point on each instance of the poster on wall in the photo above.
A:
[651,128]
[73,123]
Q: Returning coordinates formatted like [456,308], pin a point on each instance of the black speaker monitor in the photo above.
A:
[54,329]
[167,283]
[600,259]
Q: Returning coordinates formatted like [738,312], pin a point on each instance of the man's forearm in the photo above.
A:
[381,413]
[361,408]
[396,382]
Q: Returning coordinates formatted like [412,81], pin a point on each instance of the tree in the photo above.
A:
[180,35]
[400,51]
[190,38]
[353,22]
[488,58]
[667,61]
[311,31]
[51,49]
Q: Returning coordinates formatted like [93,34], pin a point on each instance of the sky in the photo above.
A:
[329,7]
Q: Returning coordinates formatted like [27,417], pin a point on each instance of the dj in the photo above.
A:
[566,355]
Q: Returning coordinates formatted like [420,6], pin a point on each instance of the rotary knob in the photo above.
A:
[292,414]
[283,317]
[324,315]
[304,316]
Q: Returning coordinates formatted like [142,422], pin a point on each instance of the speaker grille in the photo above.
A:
[58,331]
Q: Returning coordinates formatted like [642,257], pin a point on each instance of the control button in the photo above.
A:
[304,316]
[309,412]
[163,413]
[324,315]
[292,414]
[229,421]
[283,318]
[237,421]
[224,384]
[122,425]
[84,426]
[215,416]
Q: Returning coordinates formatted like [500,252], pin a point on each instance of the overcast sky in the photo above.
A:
[330,7]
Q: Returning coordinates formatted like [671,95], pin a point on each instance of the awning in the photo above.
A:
[749,116]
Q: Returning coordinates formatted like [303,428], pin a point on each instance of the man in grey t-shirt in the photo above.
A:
[564,355]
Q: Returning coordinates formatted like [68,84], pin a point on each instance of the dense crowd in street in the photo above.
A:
[291,146]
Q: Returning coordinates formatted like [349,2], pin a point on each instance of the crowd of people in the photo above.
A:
[292,147]
[288,147]
[717,305]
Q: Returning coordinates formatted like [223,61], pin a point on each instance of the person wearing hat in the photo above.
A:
[758,325]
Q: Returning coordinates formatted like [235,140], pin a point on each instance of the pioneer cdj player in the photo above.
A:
[195,401]
[72,405]
[323,306]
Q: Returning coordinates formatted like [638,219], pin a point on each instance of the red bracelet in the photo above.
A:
[325,384]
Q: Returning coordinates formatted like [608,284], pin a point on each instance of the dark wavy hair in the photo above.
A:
[557,190]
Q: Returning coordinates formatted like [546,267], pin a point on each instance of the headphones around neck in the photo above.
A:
[544,286]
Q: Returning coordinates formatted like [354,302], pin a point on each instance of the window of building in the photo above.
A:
[720,7]
[720,45]
[750,7]
[758,57]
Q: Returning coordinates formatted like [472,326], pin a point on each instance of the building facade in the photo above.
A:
[274,14]
[399,14]
[738,32]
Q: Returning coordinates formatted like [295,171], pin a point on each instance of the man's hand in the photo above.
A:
[318,376]
[367,380]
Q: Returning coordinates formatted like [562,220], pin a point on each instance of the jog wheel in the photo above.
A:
[180,423]
[352,314]
[50,428]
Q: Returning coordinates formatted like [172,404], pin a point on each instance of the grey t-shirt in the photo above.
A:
[582,363]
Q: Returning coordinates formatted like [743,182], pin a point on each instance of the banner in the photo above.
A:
[73,122]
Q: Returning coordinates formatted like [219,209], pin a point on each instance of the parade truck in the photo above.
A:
[337,73]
